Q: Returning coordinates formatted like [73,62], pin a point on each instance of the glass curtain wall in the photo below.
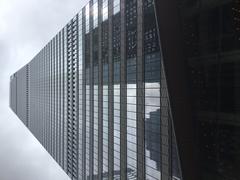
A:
[152,94]
[116,39]
[95,88]
[87,90]
[105,68]
[212,50]
[131,55]
[80,106]
[105,99]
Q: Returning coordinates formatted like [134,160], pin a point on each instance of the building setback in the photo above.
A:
[138,89]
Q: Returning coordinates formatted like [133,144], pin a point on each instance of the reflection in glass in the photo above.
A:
[95,14]
[87,125]
[212,42]
[152,94]
[116,99]
[116,6]
[105,10]
[95,102]
[87,17]
[131,53]
[88,102]
[152,145]
[105,121]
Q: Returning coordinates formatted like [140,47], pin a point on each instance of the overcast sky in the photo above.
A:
[25,27]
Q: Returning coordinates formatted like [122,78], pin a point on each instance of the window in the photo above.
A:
[95,14]
[105,10]
[116,6]
[87,16]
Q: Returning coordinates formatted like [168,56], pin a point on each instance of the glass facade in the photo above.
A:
[104,10]
[86,81]
[131,60]
[116,6]
[98,100]
[95,61]
[211,42]
[152,94]
[87,92]
[103,100]
[116,41]
[105,68]
[80,91]
[95,13]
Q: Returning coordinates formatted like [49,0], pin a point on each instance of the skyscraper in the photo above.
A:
[138,89]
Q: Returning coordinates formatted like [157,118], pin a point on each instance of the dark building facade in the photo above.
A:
[138,89]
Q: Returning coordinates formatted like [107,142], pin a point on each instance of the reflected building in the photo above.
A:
[152,139]
[138,89]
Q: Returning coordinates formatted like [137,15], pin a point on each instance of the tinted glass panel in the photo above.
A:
[212,42]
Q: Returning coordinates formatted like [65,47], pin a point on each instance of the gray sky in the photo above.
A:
[25,27]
